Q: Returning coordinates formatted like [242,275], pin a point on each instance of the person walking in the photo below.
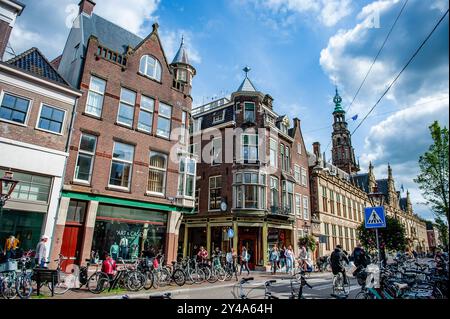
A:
[245,257]
[289,255]
[274,258]
[41,252]
[303,256]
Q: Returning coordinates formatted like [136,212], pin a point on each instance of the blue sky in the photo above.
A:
[297,50]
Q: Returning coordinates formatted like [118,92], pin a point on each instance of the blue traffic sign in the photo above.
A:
[374,217]
[230,233]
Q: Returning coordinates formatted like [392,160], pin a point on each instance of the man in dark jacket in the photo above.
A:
[337,260]
[359,256]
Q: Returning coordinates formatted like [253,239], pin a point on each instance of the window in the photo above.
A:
[288,161]
[150,67]
[218,116]
[250,147]
[164,115]
[298,204]
[186,178]
[344,206]
[327,235]
[333,233]
[331,201]
[193,149]
[86,153]
[305,207]
[197,126]
[299,148]
[76,211]
[297,174]
[273,153]
[338,204]
[183,127]
[249,112]
[215,189]
[31,187]
[349,208]
[146,114]
[274,196]
[122,165]
[288,196]
[216,152]
[324,199]
[95,97]
[157,173]
[51,119]
[250,190]
[182,75]
[304,177]
[14,109]
[283,162]
[126,107]
[270,120]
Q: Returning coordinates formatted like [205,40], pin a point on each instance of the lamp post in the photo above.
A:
[7,185]
[376,198]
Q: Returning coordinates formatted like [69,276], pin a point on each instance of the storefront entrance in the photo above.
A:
[71,243]
[250,237]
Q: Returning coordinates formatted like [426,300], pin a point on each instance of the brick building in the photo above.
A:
[125,189]
[339,194]
[36,114]
[252,177]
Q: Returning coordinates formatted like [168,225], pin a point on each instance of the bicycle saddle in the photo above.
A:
[267,283]
[401,286]
[244,280]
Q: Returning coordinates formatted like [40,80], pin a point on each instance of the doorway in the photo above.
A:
[71,244]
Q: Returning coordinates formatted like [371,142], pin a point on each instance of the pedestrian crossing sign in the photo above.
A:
[374,217]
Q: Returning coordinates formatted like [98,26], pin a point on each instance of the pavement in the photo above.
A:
[320,282]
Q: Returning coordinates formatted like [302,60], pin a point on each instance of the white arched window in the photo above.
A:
[150,67]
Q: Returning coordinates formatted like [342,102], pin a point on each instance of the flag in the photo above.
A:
[355,117]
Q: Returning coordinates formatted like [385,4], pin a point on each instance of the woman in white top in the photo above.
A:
[289,254]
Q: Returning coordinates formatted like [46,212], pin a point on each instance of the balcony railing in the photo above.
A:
[280,210]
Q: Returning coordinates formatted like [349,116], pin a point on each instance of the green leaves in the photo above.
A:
[391,238]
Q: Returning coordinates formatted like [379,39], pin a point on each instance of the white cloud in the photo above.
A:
[333,11]
[171,42]
[130,15]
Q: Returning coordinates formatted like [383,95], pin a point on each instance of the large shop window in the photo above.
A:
[31,187]
[215,190]
[25,226]
[86,153]
[129,232]
[126,107]
[164,115]
[157,173]
[14,108]
[288,196]
[122,165]
[250,147]
[250,190]
[95,97]
[186,179]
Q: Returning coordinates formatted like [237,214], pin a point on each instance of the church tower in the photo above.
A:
[342,152]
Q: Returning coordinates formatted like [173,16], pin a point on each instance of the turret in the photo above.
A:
[184,72]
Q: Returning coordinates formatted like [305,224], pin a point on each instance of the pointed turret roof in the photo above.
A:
[181,56]
[337,102]
[246,85]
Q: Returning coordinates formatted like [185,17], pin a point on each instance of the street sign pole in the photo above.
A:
[378,249]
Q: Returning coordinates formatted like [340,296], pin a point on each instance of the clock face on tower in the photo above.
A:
[223,206]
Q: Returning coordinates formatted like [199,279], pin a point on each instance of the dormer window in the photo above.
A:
[218,116]
[150,67]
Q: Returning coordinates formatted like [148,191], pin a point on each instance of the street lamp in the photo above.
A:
[376,198]
[7,185]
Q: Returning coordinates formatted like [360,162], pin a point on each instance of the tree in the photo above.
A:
[308,241]
[442,227]
[391,238]
[434,172]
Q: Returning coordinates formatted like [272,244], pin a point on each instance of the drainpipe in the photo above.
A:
[69,138]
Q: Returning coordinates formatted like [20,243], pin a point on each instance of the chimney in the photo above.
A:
[296,122]
[9,11]
[86,6]
[316,149]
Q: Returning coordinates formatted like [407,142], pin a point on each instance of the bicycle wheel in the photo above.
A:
[179,277]
[8,289]
[97,282]
[135,281]
[24,287]
[337,284]
[346,286]
[164,277]
[148,280]
[197,276]
[221,274]
[207,272]
[65,282]
[213,276]
[362,295]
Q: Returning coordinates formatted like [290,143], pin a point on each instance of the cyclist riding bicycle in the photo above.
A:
[337,259]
